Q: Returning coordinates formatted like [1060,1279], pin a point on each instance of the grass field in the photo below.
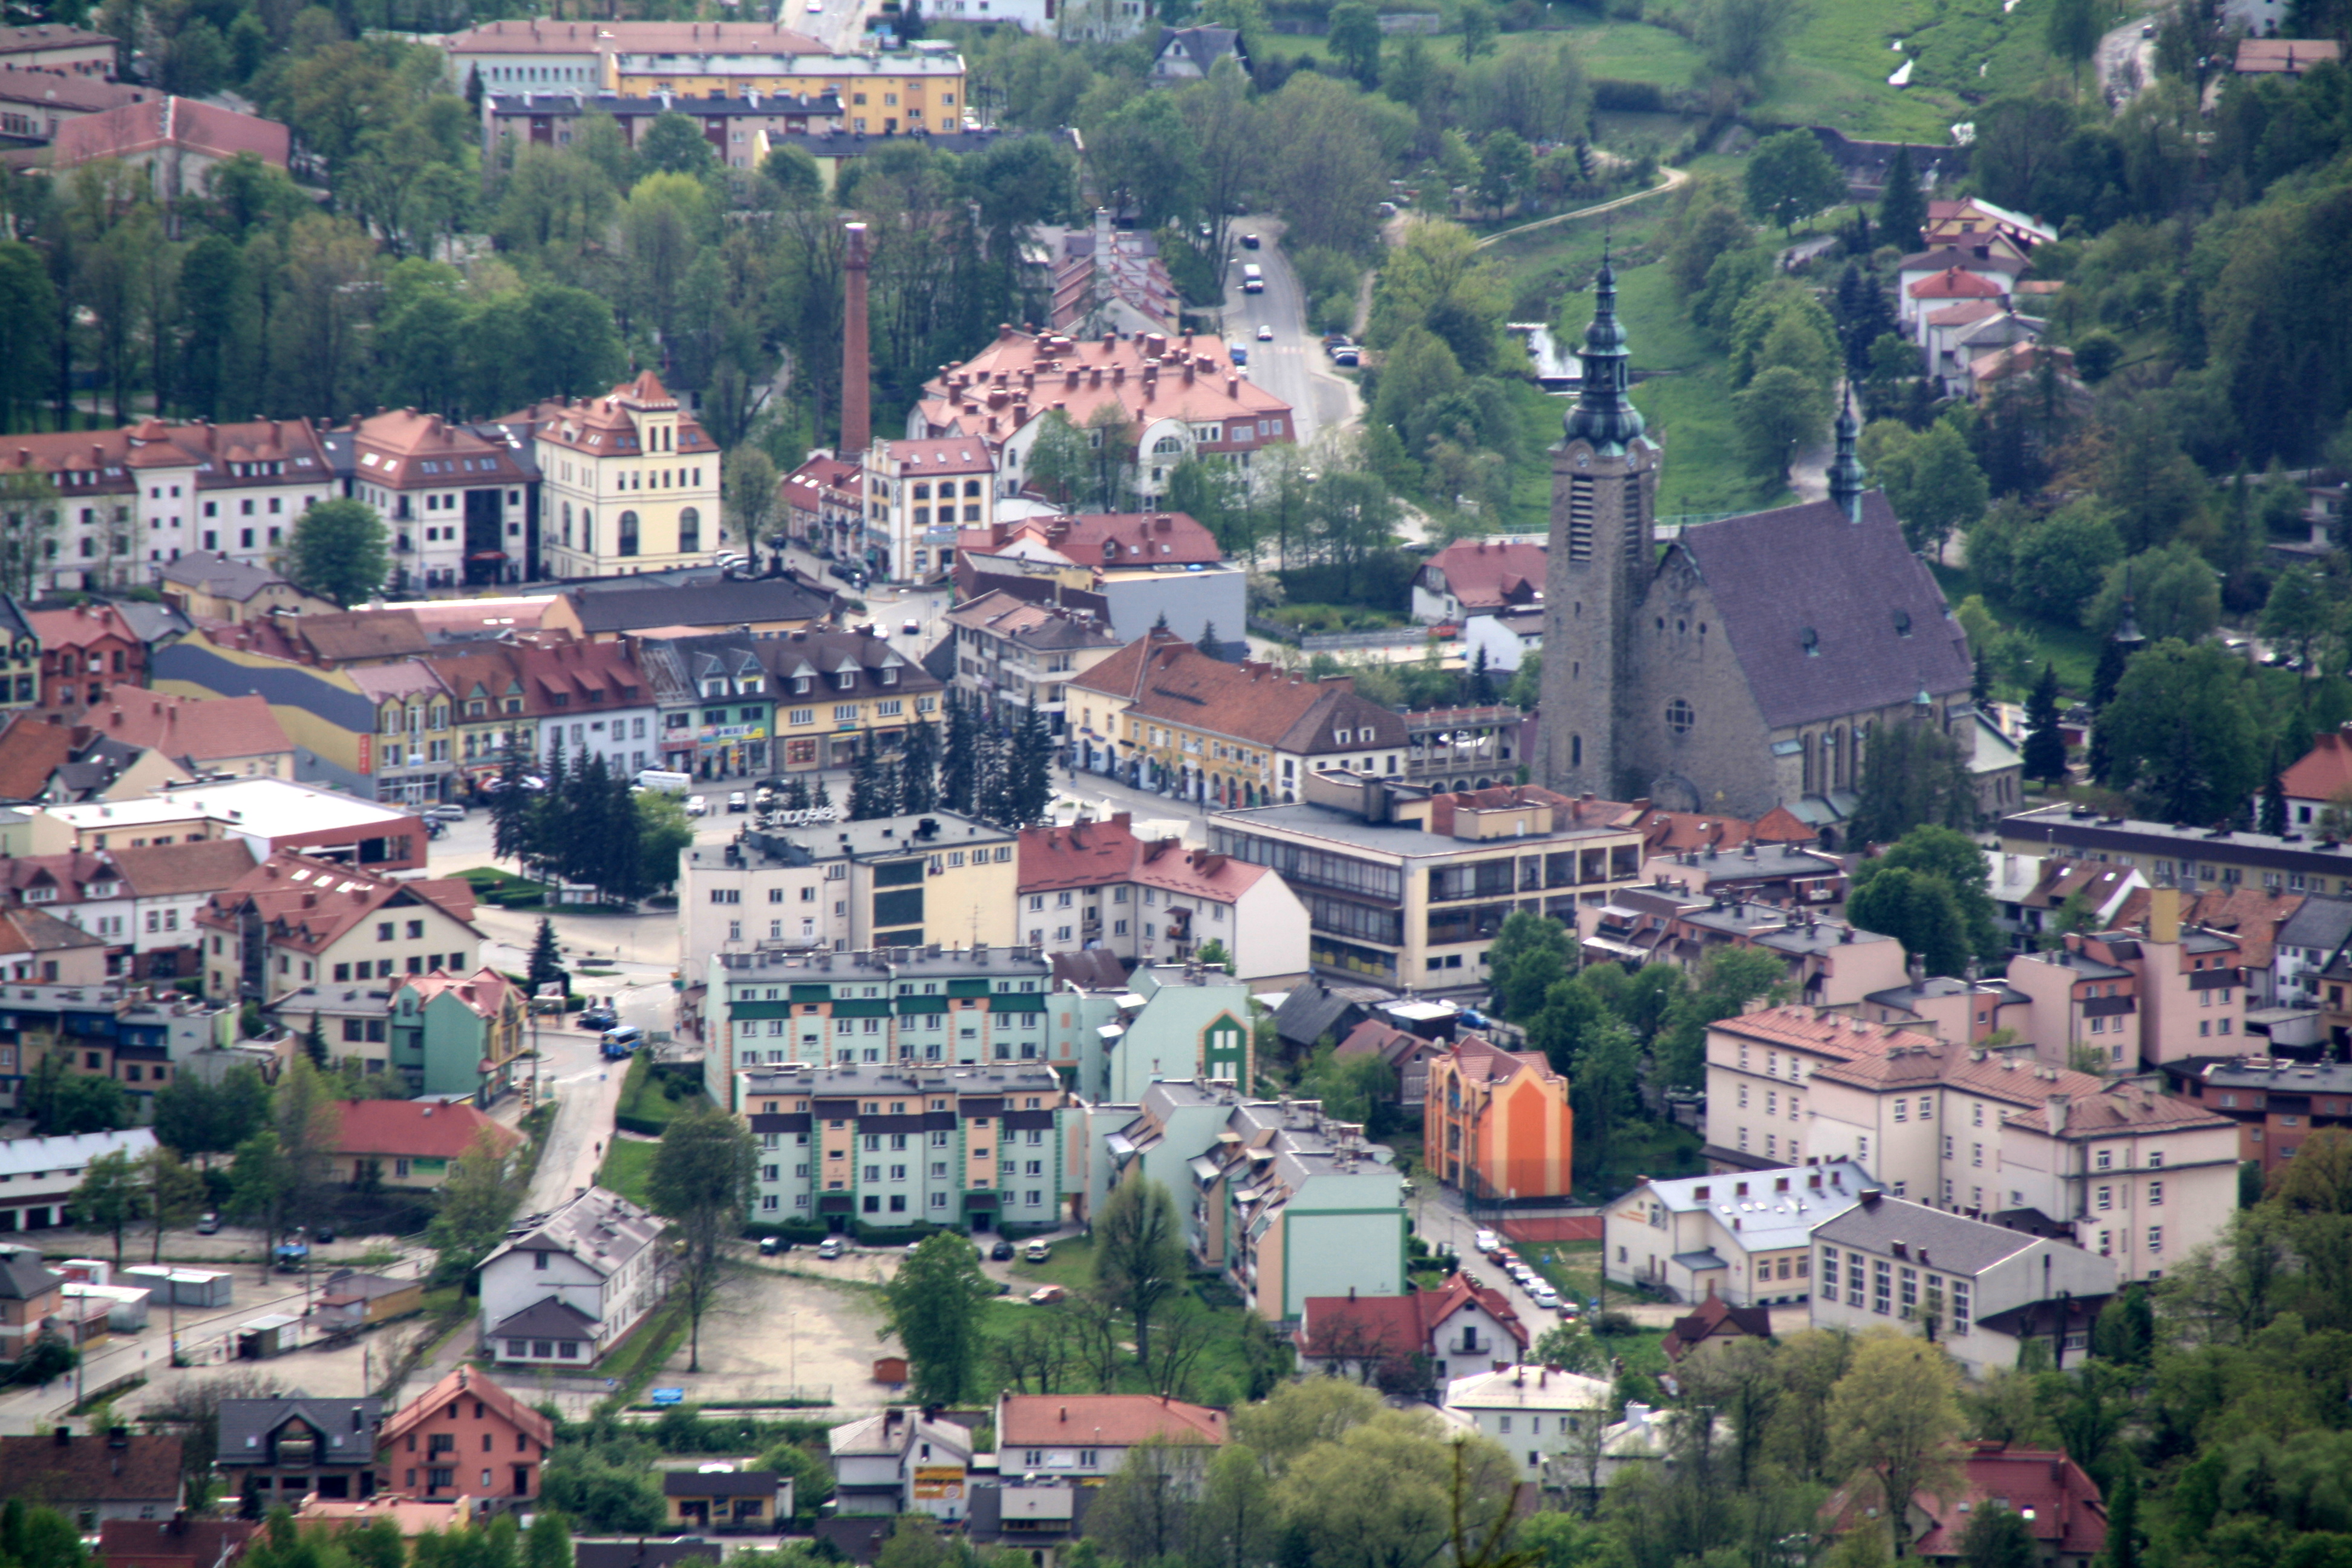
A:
[1219,1377]
[2072,649]
[627,1165]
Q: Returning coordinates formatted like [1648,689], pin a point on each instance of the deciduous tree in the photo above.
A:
[338,550]
[701,1183]
[935,1302]
[1139,1253]
[1894,1416]
[110,1198]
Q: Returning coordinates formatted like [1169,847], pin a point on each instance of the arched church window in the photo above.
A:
[1679,717]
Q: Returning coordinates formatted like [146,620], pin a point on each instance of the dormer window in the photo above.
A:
[41,894]
[846,680]
[102,889]
[800,685]
[714,689]
[889,675]
[1342,737]
[749,686]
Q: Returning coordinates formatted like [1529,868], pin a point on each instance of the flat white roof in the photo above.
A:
[271,806]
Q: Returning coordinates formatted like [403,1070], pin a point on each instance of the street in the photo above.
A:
[1292,366]
[1440,1216]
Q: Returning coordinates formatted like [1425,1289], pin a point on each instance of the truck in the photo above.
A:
[1253,278]
[661,779]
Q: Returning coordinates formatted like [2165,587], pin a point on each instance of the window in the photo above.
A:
[1680,717]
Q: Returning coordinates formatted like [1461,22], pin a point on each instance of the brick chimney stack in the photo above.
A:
[857,418]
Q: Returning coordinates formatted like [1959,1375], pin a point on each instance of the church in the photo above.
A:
[1745,667]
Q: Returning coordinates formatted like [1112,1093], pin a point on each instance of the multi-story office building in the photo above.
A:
[979,1147]
[454,503]
[848,886]
[629,482]
[771,1008]
[1409,887]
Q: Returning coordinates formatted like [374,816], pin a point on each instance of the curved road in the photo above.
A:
[1674,177]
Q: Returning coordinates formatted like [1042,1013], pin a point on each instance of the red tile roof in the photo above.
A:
[1476,1056]
[1716,1319]
[308,904]
[606,426]
[414,1128]
[1108,1420]
[1093,853]
[2253,915]
[403,449]
[466,1382]
[87,1468]
[188,730]
[1152,376]
[1677,832]
[483,993]
[1487,577]
[1952,283]
[206,866]
[30,930]
[1165,677]
[182,122]
[1850,1039]
[86,462]
[2060,1503]
[31,749]
[1404,1325]
[149,1543]
[2324,772]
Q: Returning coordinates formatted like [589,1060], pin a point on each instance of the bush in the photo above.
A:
[1628,97]
[1615,1325]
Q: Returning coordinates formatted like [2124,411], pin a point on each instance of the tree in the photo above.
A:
[199,1118]
[934,1301]
[338,550]
[1903,205]
[2045,747]
[62,1101]
[1934,486]
[110,1196]
[1379,1496]
[1912,772]
[545,966]
[477,1203]
[174,1194]
[1894,1416]
[918,769]
[702,1182]
[1917,910]
[2072,31]
[1745,40]
[1727,980]
[28,332]
[1997,1537]
[673,145]
[1138,1253]
[2174,594]
[2181,729]
[1144,1512]
[1506,168]
[1530,953]
[1477,29]
[2273,813]
[1604,1076]
[1780,412]
[2297,616]
[28,529]
[1955,859]
[1789,179]
[750,481]
[1235,1523]
[1355,40]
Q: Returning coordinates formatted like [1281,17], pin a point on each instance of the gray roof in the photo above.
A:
[1780,578]
[152,623]
[823,657]
[1205,46]
[599,1228]
[1316,1008]
[676,667]
[731,602]
[718,1483]
[550,1318]
[1949,1243]
[219,575]
[24,1277]
[2322,924]
[643,1553]
[348,1427]
[12,623]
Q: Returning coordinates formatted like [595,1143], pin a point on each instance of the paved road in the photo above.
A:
[1671,178]
[1292,366]
[1439,1216]
[2126,61]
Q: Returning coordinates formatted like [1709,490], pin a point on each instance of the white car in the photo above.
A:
[739,801]
[695,805]
[1266,334]
[830,1247]
[1486,1241]
[1546,1298]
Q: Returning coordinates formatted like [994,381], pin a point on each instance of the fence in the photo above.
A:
[1554,1227]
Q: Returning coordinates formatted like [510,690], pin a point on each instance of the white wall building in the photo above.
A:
[37,1175]
[565,1287]
[1531,1411]
[1747,1235]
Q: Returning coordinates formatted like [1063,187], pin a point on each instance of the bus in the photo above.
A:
[1253,280]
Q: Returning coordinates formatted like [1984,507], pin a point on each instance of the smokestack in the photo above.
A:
[857,418]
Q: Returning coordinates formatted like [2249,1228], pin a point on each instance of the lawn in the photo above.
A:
[1639,1149]
[646,1107]
[2072,649]
[1219,1377]
[628,1164]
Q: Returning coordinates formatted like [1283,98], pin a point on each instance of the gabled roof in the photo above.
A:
[30,930]
[1479,1058]
[403,449]
[1045,628]
[203,1542]
[91,1468]
[2058,1501]
[308,904]
[1869,629]
[1947,1242]
[467,1383]
[1375,1037]
[220,576]
[188,730]
[1716,1319]
[348,1427]
[1102,1420]
[1164,677]
[183,123]
[1970,258]
[1147,377]
[599,1229]
[2324,772]
[1094,854]
[1358,1327]
[2320,925]
[718,1483]
[485,992]
[22,1276]
[1487,577]
[825,657]
[206,866]
[1953,283]
[1205,46]
[414,1128]
[78,626]
[1315,1007]
[31,750]
[550,1318]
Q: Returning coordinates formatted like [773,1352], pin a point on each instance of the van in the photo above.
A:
[621,1042]
[661,779]
[1253,278]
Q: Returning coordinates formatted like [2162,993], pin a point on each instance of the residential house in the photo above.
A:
[1420,1340]
[1098,885]
[1316,1012]
[456,1033]
[210,738]
[20,656]
[34,103]
[718,715]
[2254,917]
[1743,1238]
[836,693]
[978,1147]
[133,499]
[1890,1262]
[1939,290]
[105,1029]
[2289,58]
[295,920]
[2319,778]
[1131,571]
[55,46]
[465,1436]
[2055,1499]
[1785,874]
[629,482]
[1086,1437]
[1407,1055]
[724,1498]
[1169,1020]
[1018,655]
[1758,1067]
[2194,860]
[1187,54]
[825,504]
[94,1477]
[178,1541]
[1996,256]
[2023,362]
[590,698]
[567,1286]
[211,585]
[413,751]
[1286,1202]
[169,886]
[287,1446]
[86,648]
[841,888]
[1229,734]
[917,494]
[1972,220]
[267,816]
[39,1175]
[1830,963]
[453,501]
[2087,895]
[1497,1124]
[2276,1103]
[1472,577]
[901,1459]
[334,713]
[1508,637]
[1520,1407]
[1182,396]
[2129,1173]
[1717,1321]
[51,761]
[410,1143]
[38,947]
[176,142]
[31,1293]
[642,1552]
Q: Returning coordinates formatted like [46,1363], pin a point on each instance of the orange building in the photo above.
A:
[466,1437]
[1497,1123]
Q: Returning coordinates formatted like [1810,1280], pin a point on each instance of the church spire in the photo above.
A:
[1845,468]
[2127,635]
[1603,415]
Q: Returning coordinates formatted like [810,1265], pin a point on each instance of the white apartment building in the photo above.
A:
[917,494]
[567,1286]
[1744,1235]
[1529,1411]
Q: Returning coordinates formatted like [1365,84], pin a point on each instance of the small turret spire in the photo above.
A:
[2127,635]
[1845,468]
[1604,415]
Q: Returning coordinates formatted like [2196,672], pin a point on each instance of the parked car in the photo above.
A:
[597,1018]
[697,805]
[770,1246]
[1546,1298]
[208,1224]
[1346,354]
[1265,333]
[831,1247]
[1486,1241]
[1001,1252]
[737,801]
[450,813]
[1249,242]
[1240,355]
[853,575]
[911,627]
[1036,1252]
[1569,1308]
[1046,1295]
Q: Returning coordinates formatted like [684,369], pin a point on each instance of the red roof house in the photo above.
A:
[2059,1504]
[1479,577]
[178,1541]
[411,1142]
[1461,1328]
[1716,1319]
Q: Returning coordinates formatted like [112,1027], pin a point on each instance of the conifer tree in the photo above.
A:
[1029,786]
[2110,671]
[865,802]
[960,762]
[546,963]
[511,806]
[796,795]
[2273,816]
[918,769]
[2045,748]
[1980,681]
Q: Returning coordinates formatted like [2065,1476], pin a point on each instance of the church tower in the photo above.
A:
[1604,479]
